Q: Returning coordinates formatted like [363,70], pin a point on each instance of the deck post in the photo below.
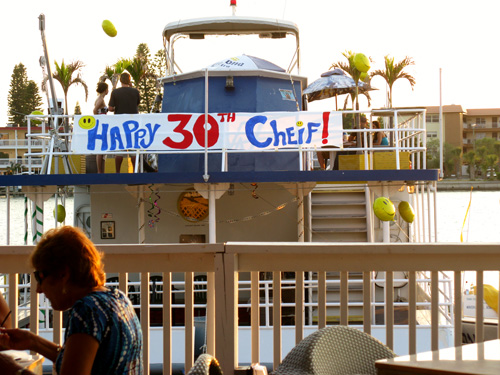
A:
[226,312]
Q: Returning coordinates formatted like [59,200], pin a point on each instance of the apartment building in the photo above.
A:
[14,145]
[462,127]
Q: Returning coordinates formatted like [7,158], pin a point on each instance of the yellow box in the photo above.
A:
[387,160]
[352,162]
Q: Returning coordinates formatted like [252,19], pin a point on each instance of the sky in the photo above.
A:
[456,38]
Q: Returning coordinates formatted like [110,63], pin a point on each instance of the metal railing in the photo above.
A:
[229,265]
[19,143]
[404,127]
[35,163]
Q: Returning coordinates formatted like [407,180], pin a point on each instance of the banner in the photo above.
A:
[163,132]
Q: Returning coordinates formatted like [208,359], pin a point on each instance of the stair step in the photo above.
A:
[339,230]
[339,216]
[338,203]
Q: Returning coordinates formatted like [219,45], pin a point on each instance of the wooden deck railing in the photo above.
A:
[226,264]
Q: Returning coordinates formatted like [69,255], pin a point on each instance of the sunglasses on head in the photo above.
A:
[40,276]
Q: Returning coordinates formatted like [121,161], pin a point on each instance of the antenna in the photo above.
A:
[233,6]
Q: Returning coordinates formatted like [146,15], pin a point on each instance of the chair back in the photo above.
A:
[335,350]
[205,364]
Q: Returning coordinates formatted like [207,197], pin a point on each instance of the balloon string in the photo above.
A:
[465,218]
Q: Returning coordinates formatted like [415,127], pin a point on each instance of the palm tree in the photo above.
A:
[64,75]
[140,73]
[138,69]
[350,69]
[471,159]
[113,72]
[393,72]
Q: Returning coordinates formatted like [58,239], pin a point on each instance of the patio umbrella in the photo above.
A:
[333,83]
[245,62]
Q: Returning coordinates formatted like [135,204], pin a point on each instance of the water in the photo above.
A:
[17,226]
[483,217]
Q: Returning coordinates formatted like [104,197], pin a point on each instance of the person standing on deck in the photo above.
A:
[124,100]
[100,108]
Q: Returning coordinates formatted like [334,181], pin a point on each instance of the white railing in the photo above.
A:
[19,143]
[404,127]
[226,265]
[25,162]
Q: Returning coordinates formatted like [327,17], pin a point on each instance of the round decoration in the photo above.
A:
[192,206]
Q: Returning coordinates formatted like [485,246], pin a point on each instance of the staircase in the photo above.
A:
[338,213]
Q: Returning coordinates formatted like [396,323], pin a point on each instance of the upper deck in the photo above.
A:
[362,163]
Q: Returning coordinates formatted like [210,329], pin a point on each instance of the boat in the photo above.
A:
[250,176]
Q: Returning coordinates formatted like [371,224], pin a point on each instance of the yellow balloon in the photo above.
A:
[36,121]
[61,213]
[109,28]
[406,211]
[490,296]
[384,209]
[361,62]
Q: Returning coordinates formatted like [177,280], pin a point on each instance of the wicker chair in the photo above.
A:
[205,364]
[335,350]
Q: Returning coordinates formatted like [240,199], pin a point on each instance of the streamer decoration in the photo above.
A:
[154,211]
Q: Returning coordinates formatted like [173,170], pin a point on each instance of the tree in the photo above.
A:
[14,168]
[23,97]
[158,68]
[350,69]
[113,72]
[393,72]
[64,75]
[144,78]
[33,97]
[472,160]
[78,110]
[487,151]
[451,157]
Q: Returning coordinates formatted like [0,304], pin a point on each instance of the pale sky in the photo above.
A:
[458,36]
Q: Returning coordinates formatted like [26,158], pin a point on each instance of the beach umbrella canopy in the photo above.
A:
[245,62]
[333,83]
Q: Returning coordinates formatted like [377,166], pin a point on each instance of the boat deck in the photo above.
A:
[218,177]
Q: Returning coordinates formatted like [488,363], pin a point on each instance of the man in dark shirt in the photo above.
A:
[124,100]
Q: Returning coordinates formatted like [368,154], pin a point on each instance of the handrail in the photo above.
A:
[409,135]
[232,261]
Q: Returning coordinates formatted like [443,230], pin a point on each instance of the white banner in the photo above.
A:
[163,132]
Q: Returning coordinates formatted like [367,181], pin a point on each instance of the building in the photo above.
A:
[478,124]
[14,145]
[453,123]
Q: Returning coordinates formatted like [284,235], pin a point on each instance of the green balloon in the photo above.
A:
[406,212]
[35,120]
[384,209]
[361,62]
[61,213]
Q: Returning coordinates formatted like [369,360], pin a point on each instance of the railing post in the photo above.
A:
[276,319]
[226,294]
[189,320]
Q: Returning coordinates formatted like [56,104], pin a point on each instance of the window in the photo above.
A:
[432,118]
[494,122]
[481,122]
[432,135]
